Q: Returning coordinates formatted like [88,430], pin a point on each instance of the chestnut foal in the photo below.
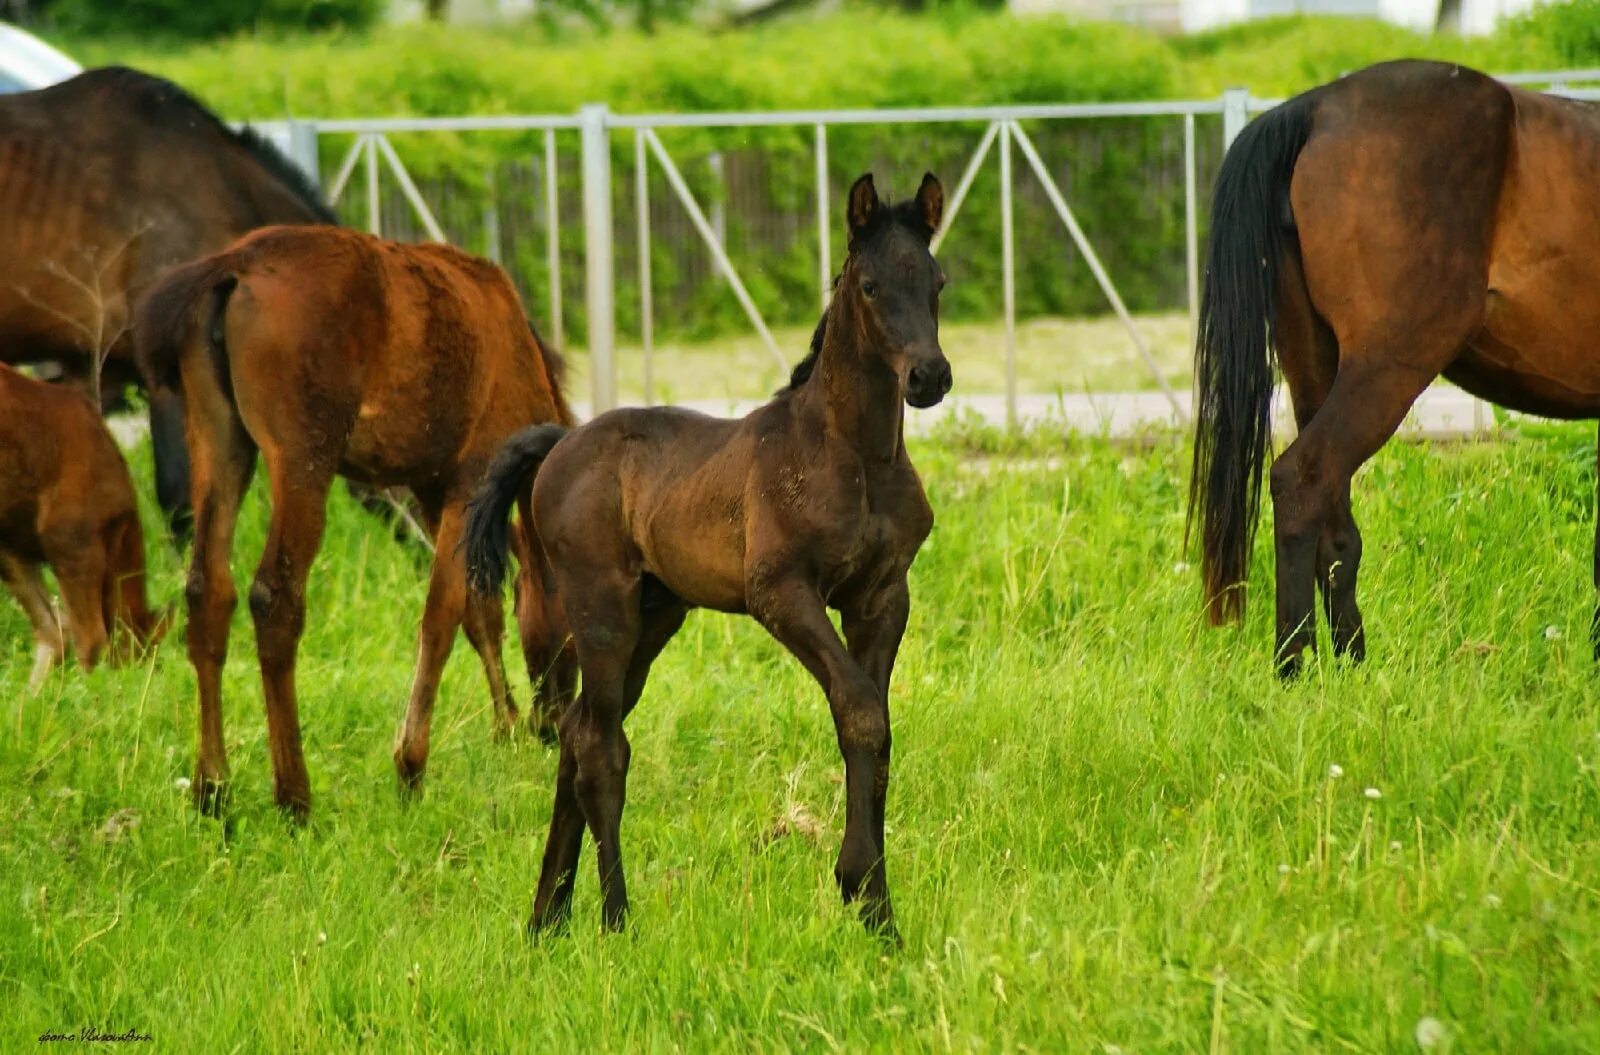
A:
[336,353]
[810,502]
[66,500]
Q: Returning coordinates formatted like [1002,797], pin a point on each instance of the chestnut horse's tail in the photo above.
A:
[509,475]
[185,304]
[1251,229]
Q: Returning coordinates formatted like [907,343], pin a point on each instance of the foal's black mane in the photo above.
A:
[164,103]
[907,215]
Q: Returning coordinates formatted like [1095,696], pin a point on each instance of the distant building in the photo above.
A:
[465,11]
[1465,16]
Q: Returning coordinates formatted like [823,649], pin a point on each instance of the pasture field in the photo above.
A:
[1054,354]
[1110,829]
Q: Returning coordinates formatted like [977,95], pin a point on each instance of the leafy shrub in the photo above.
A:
[210,18]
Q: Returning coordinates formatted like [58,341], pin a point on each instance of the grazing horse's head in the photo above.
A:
[892,284]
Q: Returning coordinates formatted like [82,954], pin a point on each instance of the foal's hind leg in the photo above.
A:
[547,647]
[278,606]
[223,459]
[441,615]
[553,899]
[26,582]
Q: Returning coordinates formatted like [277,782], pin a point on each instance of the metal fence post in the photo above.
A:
[1008,275]
[303,149]
[600,292]
[1235,114]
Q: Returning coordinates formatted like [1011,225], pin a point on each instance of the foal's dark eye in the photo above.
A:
[869,288]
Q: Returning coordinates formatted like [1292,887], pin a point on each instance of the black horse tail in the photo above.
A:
[184,305]
[510,474]
[1251,228]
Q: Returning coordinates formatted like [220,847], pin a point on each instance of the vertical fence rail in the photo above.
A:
[599,273]
[824,248]
[1008,275]
[552,236]
[641,205]
[1235,113]
[374,204]
[1191,227]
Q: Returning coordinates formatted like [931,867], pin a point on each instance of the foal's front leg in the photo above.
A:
[26,582]
[872,630]
[793,612]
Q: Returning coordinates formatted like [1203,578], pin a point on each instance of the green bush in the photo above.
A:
[211,18]
[1570,28]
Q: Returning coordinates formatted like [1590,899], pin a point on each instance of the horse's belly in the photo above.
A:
[1539,347]
[1534,354]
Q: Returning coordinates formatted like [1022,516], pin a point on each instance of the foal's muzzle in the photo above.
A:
[928,381]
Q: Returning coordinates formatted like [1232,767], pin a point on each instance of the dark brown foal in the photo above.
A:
[335,353]
[1409,220]
[808,503]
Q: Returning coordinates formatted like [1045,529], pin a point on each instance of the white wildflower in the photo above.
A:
[182,784]
[1284,869]
[1373,793]
[1552,633]
[1335,771]
[1432,1035]
[322,937]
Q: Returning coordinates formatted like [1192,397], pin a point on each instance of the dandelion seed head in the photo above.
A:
[1373,793]
[1431,1034]
[1335,771]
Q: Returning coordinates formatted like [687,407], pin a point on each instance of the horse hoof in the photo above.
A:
[210,796]
[294,805]
[1289,667]
[548,731]
[547,926]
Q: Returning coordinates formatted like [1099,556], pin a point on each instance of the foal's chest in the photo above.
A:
[894,519]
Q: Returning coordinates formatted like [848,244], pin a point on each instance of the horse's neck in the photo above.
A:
[861,403]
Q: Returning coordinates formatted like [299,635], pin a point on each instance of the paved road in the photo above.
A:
[1443,412]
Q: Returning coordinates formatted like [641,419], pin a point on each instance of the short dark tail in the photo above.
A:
[509,475]
[1250,230]
[185,304]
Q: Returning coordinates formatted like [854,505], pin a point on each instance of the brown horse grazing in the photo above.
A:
[1410,220]
[810,502]
[337,353]
[106,180]
[66,500]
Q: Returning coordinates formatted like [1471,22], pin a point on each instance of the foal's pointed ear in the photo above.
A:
[863,204]
[930,202]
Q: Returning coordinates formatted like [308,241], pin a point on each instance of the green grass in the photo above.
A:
[1108,825]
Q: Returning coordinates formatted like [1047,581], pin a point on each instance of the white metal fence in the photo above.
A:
[1000,133]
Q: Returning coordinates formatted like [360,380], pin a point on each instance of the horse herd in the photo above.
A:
[1407,220]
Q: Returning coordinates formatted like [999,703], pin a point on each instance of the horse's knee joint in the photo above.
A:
[194,589]
[260,601]
[863,724]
